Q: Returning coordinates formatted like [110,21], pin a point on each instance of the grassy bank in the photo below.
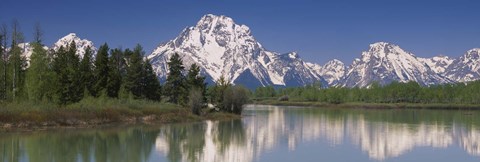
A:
[370,105]
[93,112]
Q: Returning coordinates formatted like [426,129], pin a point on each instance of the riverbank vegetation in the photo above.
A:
[116,84]
[394,95]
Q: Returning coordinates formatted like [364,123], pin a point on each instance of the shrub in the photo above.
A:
[234,98]
[195,101]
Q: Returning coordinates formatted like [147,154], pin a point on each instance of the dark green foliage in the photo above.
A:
[176,87]
[101,70]
[66,66]
[151,83]
[133,80]
[196,81]
[116,67]
[86,73]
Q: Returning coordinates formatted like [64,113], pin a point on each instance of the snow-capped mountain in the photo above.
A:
[81,44]
[384,63]
[438,63]
[466,68]
[223,48]
[333,72]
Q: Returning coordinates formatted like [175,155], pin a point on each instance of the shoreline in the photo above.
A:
[98,122]
[29,117]
[359,105]
[153,119]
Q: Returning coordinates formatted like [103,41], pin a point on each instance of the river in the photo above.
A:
[265,133]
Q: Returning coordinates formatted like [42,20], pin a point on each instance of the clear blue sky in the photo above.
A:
[318,30]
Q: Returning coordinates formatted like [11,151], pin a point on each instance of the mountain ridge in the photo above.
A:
[223,48]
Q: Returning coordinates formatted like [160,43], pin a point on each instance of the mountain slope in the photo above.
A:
[223,48]
[466,68]
[438,64]
[333,72]
[384,63]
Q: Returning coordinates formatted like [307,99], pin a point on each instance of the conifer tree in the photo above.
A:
[86,72]
[195,81]
[68,77]
[151,82]
[133,79]
[175,86]
[101,71]
[115,64]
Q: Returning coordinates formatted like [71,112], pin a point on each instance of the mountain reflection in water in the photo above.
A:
[377,134]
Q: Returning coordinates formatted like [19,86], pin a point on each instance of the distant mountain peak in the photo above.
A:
[386,62]
[223,48]
[81,44]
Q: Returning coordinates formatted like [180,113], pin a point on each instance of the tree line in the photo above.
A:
[395,92]
[64,77]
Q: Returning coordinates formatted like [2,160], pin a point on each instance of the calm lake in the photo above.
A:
[266,133]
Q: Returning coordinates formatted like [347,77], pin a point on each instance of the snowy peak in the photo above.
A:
[223,48]
[438,63]
[382,50]
[81,44]
[386,62]
[333,72]
[466,68]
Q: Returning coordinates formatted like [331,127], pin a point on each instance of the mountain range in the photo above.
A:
[223,48]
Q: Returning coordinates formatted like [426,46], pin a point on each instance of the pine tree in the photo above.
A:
[101,71]
[134,77]
[151,82]
[86,72]
[68,77]
[115,67]
[175,87]
[195,81]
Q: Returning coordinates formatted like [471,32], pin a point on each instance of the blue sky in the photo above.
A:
[318,30]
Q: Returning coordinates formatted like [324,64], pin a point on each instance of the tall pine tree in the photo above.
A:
[66,66]
[175,87]
[86,73]
[152,85]
[101,71]
[196,81]
[115,67]
[134,78]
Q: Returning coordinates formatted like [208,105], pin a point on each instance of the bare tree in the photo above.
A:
[3,43]
[17,37]
[37,33]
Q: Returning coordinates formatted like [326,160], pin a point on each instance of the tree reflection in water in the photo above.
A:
[378,134]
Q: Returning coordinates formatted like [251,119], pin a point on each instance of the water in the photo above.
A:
[266,133]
